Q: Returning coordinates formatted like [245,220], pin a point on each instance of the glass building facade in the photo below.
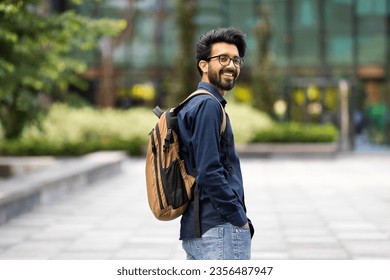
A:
[313,44]
[306,33]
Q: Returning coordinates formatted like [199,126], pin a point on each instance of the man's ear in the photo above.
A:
[204,66]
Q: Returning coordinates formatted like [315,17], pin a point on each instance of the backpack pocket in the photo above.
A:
[174,185]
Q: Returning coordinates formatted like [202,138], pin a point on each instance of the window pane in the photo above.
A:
[306,32]
[243,15]
[339,18]
[279,32]
[372,30]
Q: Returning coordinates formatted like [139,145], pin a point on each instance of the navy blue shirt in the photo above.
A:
[212,159]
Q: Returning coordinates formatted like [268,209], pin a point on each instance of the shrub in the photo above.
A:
[70,131]
[297,133]
[76,131]
[246,121]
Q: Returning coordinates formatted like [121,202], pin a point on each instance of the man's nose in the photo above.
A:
[231,64]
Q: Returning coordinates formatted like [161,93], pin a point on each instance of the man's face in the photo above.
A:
[223,77]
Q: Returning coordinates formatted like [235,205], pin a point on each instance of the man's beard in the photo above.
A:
[217,80]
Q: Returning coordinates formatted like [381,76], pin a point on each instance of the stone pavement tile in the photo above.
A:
[36,219]
[315,253]
[60,232]
[368,249]
[270,255]
[152,227]
[17,233]
[316,248]
[82,255]
[8,241]
[338,212]
[269,240]
[308,220]
[33,250]
[87,243]
[146,250]
[363,235]
[314,244]
[178,252]
[307,232]
[314,241]
[264,221]
[352,226]
[292,205]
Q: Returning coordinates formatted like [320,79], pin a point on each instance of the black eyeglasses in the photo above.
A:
[224,60]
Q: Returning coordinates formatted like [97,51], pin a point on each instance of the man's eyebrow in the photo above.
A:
[225,54]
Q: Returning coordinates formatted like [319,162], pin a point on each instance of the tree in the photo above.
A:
[185,68]
[38,54]
[263,88]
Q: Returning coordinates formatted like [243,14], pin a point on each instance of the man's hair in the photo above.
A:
[228,35]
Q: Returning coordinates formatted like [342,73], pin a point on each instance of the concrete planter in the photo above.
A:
[12,166]
[280,149]
[20,194]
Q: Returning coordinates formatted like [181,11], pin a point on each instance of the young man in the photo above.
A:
[224,227]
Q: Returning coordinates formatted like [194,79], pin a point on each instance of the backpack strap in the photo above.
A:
[199,92]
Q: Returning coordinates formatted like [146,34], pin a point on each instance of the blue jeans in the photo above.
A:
[223,242]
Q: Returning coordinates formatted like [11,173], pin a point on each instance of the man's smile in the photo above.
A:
[230,75]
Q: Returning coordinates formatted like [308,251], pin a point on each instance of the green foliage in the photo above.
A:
[185,66]
[264,86]
[297,133]
[246,121]
[75,131]
[38,55]
[71,131]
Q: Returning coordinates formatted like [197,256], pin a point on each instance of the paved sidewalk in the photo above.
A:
[308,208]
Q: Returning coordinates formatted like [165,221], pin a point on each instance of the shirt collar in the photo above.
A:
[214,91]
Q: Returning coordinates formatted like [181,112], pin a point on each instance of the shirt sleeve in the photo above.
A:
[207,155]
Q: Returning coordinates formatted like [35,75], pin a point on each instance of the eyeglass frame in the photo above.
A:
[230,59]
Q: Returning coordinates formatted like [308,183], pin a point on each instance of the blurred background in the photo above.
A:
[82,76]
[315,71]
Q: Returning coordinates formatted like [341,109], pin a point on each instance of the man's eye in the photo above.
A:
[224,58]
